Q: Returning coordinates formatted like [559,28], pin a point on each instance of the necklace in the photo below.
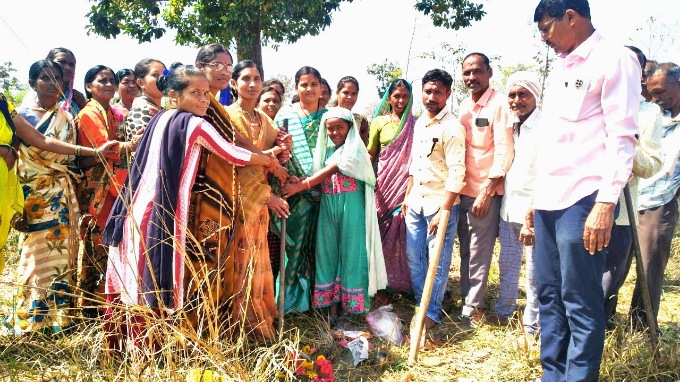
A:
[306,114]
[395,119]
[255,131]
[254,119]
[37,102]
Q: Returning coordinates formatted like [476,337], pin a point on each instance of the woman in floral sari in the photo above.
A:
[47,264]
[389,142]
[13,127]
[304,119]
[251,253]
[49,249]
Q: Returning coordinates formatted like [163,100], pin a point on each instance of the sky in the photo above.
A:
[363,32]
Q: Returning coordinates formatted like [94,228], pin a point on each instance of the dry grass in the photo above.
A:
[484,354]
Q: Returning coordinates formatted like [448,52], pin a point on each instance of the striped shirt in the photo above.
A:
[661,188]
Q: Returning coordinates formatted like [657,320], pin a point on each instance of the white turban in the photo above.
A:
[527,80]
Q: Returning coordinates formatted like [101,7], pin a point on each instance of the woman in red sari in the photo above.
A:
[98,123]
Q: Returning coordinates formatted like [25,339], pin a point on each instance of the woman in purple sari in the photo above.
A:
[389,144]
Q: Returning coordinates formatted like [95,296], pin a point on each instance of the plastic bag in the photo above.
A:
[386,324]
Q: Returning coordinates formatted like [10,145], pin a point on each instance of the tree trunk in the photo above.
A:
[256,53]
[249,46]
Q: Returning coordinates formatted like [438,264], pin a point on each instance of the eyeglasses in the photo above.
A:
[546,29]
[219,66]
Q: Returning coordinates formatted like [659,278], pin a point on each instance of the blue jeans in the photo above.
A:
[571,301]
[419,246]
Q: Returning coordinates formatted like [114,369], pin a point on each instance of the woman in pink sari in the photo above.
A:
[389,144]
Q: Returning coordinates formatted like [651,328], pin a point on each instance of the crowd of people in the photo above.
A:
[166,188]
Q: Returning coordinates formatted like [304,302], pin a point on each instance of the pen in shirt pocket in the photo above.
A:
[434,142]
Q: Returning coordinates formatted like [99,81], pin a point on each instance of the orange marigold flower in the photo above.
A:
[57,233]
[35,205]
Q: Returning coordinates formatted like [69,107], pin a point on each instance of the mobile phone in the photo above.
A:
[481,122]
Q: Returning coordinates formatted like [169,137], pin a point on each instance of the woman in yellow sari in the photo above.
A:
[11,197]
[254,284]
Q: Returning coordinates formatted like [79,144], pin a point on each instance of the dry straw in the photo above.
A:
[484,354]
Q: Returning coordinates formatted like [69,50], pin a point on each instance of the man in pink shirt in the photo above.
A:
[488,155]
[584,159]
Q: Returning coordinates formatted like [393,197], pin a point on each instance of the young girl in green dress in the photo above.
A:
[349,261]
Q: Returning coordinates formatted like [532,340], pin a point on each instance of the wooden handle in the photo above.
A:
[429,283]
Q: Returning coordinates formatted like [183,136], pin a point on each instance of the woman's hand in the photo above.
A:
[404,208]
[9,155]
[279,206]
[281,173]
[290,189]
[284,156]
[284,139]
[135,140]
[275,151]
[108,150]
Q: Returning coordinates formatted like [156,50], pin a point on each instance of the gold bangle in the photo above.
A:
[76,151]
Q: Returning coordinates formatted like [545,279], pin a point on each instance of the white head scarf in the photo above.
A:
[352,160]
[352,157]
[526,79]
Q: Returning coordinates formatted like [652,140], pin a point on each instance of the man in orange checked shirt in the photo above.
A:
[488,155]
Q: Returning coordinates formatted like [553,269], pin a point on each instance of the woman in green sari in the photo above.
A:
[304,119]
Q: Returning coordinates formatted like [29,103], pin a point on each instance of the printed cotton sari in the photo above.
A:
[254,282]
[391,180]
[350,267]
[96,194]
[163,262]
[304,209]
[46,272]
